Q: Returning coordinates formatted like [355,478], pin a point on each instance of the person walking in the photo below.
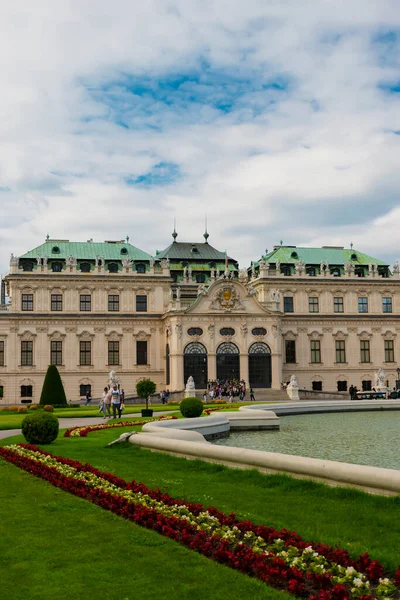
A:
[106,403]
[116,401]
[88,398]
[351,392]
[252,395]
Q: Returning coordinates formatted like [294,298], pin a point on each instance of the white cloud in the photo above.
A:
[256,160]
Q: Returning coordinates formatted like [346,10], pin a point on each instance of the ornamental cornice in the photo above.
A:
[56,335]
[315,335]
[388,335]
[141,335]
[290,335]
[27,335]
[364,335]
[41,329]
[85,335]
[340,334]
[114,336]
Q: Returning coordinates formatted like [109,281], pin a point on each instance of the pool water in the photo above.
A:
[364,438]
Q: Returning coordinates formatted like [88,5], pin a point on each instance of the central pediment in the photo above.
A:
[226,297]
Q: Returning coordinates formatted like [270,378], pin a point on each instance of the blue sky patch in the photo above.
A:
[162,173]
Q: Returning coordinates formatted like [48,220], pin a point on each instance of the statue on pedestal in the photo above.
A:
[190,389]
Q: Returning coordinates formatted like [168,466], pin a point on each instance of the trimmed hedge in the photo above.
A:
[40,428]
[191,407]
[53,389]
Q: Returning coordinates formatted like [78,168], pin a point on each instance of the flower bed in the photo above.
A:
[208,411]
[85,429]
[280,558]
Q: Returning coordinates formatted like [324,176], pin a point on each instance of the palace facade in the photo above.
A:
[328,315]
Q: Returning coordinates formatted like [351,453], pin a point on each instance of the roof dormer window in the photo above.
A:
[55,250]
[124,251]
[294,255]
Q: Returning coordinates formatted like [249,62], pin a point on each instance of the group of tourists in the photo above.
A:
[112,398]
[228,388]
[164,396]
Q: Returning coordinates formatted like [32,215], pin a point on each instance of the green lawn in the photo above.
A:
[57,546]
[13,420]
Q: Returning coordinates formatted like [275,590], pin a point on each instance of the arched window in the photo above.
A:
[195,348]
[141,268]
[311,271]
[336,272]
[124,251]
[195,364]
[200,278]
[227,348]
[112,268]
[259,348]
[27,266]
[55,250]
[260,365]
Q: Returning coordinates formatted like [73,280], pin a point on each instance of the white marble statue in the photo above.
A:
[396,267]
[379,378]
[39,260]
[14,260]
[243,275]
[212,273]
[275,296]
[127,263]
[152,261]
[293,388]
[278,266]
[190,389]
[113,379]
[178,293]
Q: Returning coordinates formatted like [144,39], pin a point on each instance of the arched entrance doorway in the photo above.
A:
[228,366]
[259,365]
[195,364]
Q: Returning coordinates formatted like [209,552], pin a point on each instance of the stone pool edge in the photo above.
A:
[192,444]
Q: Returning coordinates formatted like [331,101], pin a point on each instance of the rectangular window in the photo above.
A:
[290,351]
[364,351]
[141,353]
[1,354]
[313,305]
[113,353]
[26,391]
[56,303]
[86,303]
[340,351]
[366,385]
[113,306]
[389,351]
[56,353]
[386,305]
[27,302]
[141,303]
[315,351]
[363,305]
[26,354]
[317,386]
[85,353]
[342,386]
[1,391]
[338,305]
[288,304]
[84,388]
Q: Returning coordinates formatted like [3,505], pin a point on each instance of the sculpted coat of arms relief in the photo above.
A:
[226,299]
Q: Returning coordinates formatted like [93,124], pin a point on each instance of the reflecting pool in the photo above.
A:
[364,438]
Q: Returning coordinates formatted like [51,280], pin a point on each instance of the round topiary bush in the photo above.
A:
[22,409]
[191,407]
[40,428]
[48,408]
[33,407]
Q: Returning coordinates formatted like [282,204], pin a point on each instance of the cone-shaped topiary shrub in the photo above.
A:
[40,428]
[191,407]
[53,389]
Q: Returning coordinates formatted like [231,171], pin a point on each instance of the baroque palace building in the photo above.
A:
[327,315]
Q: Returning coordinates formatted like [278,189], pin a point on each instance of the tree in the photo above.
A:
[53,390]
[144,389]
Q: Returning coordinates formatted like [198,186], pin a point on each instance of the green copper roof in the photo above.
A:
[191,251]
[314,256]
[87,250]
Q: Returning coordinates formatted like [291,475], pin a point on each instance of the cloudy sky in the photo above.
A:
[279,119]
